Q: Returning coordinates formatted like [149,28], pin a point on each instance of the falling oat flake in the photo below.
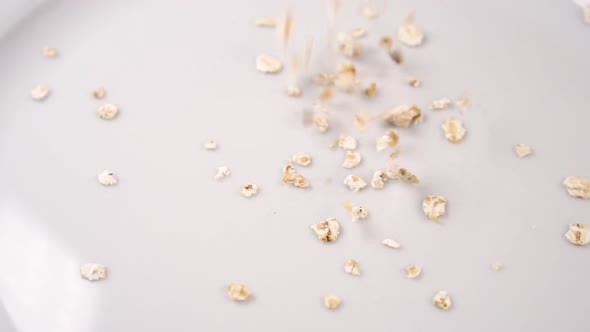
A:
[332,301]
[107,111]
[578,234]
[301,159]
[378,180]
[391,243]
[238,292]
[413,271]
[522,150]
[351,159]
[210,145]
[454,130]
[291,176]
[409,33]
[463,103]
[40,92]
[434,207]
[347,142]
[386,141]
[352,267]
[354,183]
[403,116]
[577,186]
[49,52]
[107,178]
[267,64]
[327,230]
[99,93]
[249,190]
[268,22]
[497,266]
[222,172]
[442,300]
[440,104]
[586,11]
[93,272]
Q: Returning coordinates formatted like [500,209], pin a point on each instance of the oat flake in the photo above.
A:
[577,186]
[398,173]
[238,292]
[107,111]
[352,159]
[496,266]
[361,120]
[293,91]
[290,176]
[332,301]
[301,159]
[378,180]
[409,33]
[93,272]
[347,142]
[413,82]
[454,130]
[210,145]
[434,207]
[413,271]
[440,104]
[99,93]
[327,230]
[40,92]
[268,22]
[463,103]
[107,178]
[352,267]
[403,116]
[222,172]
[49,52]
[578,234]
[522,150]
[442,300]
[267,64]
[386,141]
[354,183]
[249,190]
[391,243]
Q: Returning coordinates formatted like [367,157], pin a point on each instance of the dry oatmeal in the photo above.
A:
[93,272]
[442,300]
[321,122]
[454,130]
[49,52]
[395,172]
[358,33]
[352,267]
[371,91]
[403,116]
[352,159]
[357,212]
[354,183]
[391,243]
[522,150]
[362,120]
[388,140]
[463,103]
[347,142]
[578,234]
[413,271]
[577,186]
[497,266]
[40,92]
[210,145]
[238,292]
[293,91]
[99,92]
[266,22]
[378,180]
[107,178]
[440,104]
[249,190]
[301,159]
[332,301]
[267,64]
[415,83]
[292,177]
[434,207]
[327,230]
[107,111]
[409,33]
[222,172]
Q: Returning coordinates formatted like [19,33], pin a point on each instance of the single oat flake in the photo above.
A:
[249,190]
[440,104]
[332,301]
[238,292]
[391,243]
[361,120]
[413,82]
[347,142]
[463,103]
[93,272]
[293,91]
[403,115]
[40,92]
[357,212]
[496,266]
[454,130]
[386,141]
[352,267]
[399,173]
[578,234]
[409,33]
[290,176]
[522,150]
[358,33]
[354,183]
[267,64]
[107,111]
[577,186]
[352,159]
[49,52]
[321,122]
[378,180]
[301,159]
[371,90]
[413,271]
[434,207]
[210,145]
[99,93]
[327,230]
[348,45]
[222,172]
[442,300]
[268,22]
[107,178]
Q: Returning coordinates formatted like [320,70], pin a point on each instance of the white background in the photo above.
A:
[172,237]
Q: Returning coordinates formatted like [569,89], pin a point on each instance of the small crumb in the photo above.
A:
[409,33]
[327,230]
[332,301]
[388,140]
[442,300]
[352,159]
[93,272]
[354,183]
[267,22]
[267,64]
[577,186]
[386,42]
[378,180]
[578,234]
[107,178]
[293,91]
[49,52]
[352,267]
[454,130]
[413,271]
[238,292]
[395,172]
[107,111]
[249,190]
[99,93]
[522,150]
[358,33]
[347,142]
[222,172]
[348,45]
[413,82]
[361,120]
[301,159]
[391,243]
[397,56]
[40,92]
[403,116]
[440,104]
[210,145]
[434,207]
[496,266]
[463,103]
[371,91]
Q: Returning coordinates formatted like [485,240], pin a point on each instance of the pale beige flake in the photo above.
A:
[440,104]
[301,159]
[40,92]
[352,267]
[391,243]
[371,90]
[107,111]
[409,33]
[249,190]
[358,33]
[497,266]
[586,10]
[403,115]
[395,172]
[222,172]
[93,272]
[346,79]
[362,120]
[107,178]
[293,91]
[578,234]
[267,64]
[463,103]
[442,300]
[454,130]
[284,30]
[378,180]
[354,183]
[332,301]
[267,22]
[348,46]
[413,82]
[413,271]
[347,142]
[386,141]
[323,79]
[99,92]
[577,186]
[434,207]
[49,52]
[321,122]
[522,150]
[352,159]
[238,292]
[357,212]
[327,230]
[210,145]
[290,176]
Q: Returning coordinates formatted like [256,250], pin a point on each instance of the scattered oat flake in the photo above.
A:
[378,180]
[332,301]
[413,271]
[301,159]
[496,266]
[440,104]
[327,93]
[210,145]
[358,33]
[391,243]
[99,93]
[266,22]
[388,140]
[361,120]
[522,150]
[222,172]
[413,82]
[93,272]
[49,52]
[107,178]
[577,186]
[371,91]
[354,183]
[290,176]
[267,64]
[40,92]
[463,103]
[238,292]
[348,46]
[323,79]
[454,130]
[352,267]
[395,172]
[107,111]
[293,91]
[403,115]
[442,300]
[327,230]
[434,207]
[409,33]
[578,234]
[357,212]
[347,142]
[352,159]
[386,42]
[321,122]
[249,190]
